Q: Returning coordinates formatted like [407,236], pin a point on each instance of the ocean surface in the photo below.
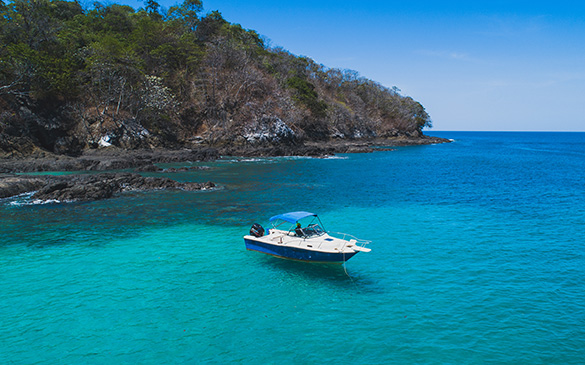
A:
[478,256]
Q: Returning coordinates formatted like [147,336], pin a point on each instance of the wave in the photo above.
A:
[245,159]
[26,199]
[335,158]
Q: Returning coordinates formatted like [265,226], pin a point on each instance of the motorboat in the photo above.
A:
[305,240]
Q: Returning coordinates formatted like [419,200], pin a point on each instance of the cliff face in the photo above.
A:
[73,79]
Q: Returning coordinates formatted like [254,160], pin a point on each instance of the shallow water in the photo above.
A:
[477,256]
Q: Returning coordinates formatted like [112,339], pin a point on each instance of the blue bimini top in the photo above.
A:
[293,217]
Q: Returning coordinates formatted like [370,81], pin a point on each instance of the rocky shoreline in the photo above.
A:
[74,188]
[89,187]
[116,158]
[103,160]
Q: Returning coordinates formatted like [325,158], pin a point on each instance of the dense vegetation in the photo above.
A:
[74,78]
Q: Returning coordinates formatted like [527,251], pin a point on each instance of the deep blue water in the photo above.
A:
[477,257]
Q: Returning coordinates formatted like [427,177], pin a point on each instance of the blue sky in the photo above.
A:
[474,65]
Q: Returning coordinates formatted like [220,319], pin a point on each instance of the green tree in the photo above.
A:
[210,26]
[151,6]
[187,13]
[306,95]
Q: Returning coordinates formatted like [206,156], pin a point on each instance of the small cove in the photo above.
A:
[477,256]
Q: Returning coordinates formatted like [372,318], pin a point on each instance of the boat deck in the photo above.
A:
[323,243]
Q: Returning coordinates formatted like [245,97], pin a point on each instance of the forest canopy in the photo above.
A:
[73,78]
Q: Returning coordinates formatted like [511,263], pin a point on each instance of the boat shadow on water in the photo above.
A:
[335,275]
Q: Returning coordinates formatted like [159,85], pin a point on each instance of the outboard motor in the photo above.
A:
[257,230]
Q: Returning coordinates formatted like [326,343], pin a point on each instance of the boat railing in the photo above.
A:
[348,237]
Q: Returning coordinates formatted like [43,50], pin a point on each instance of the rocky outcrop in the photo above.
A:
[111,159]
[269,130]
[73,188]
[145,160]
[331,147]
[12,185]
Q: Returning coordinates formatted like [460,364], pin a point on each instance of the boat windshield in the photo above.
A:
[313,230]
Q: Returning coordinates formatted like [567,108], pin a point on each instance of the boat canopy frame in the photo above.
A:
[294,217]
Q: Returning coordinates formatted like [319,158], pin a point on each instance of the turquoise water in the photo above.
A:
[477,257]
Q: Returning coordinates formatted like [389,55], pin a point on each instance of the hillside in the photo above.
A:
[74,79]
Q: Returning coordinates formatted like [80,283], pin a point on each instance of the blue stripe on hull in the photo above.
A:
[295,253]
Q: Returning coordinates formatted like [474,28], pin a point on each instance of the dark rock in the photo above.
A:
[185,169]
[51,188]
[69,188]
[180,169]
[70,146]
[94,190]
[12,185]
[148,168]
[104,186]
[113,159]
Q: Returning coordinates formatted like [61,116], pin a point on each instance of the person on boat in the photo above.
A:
[299,231]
